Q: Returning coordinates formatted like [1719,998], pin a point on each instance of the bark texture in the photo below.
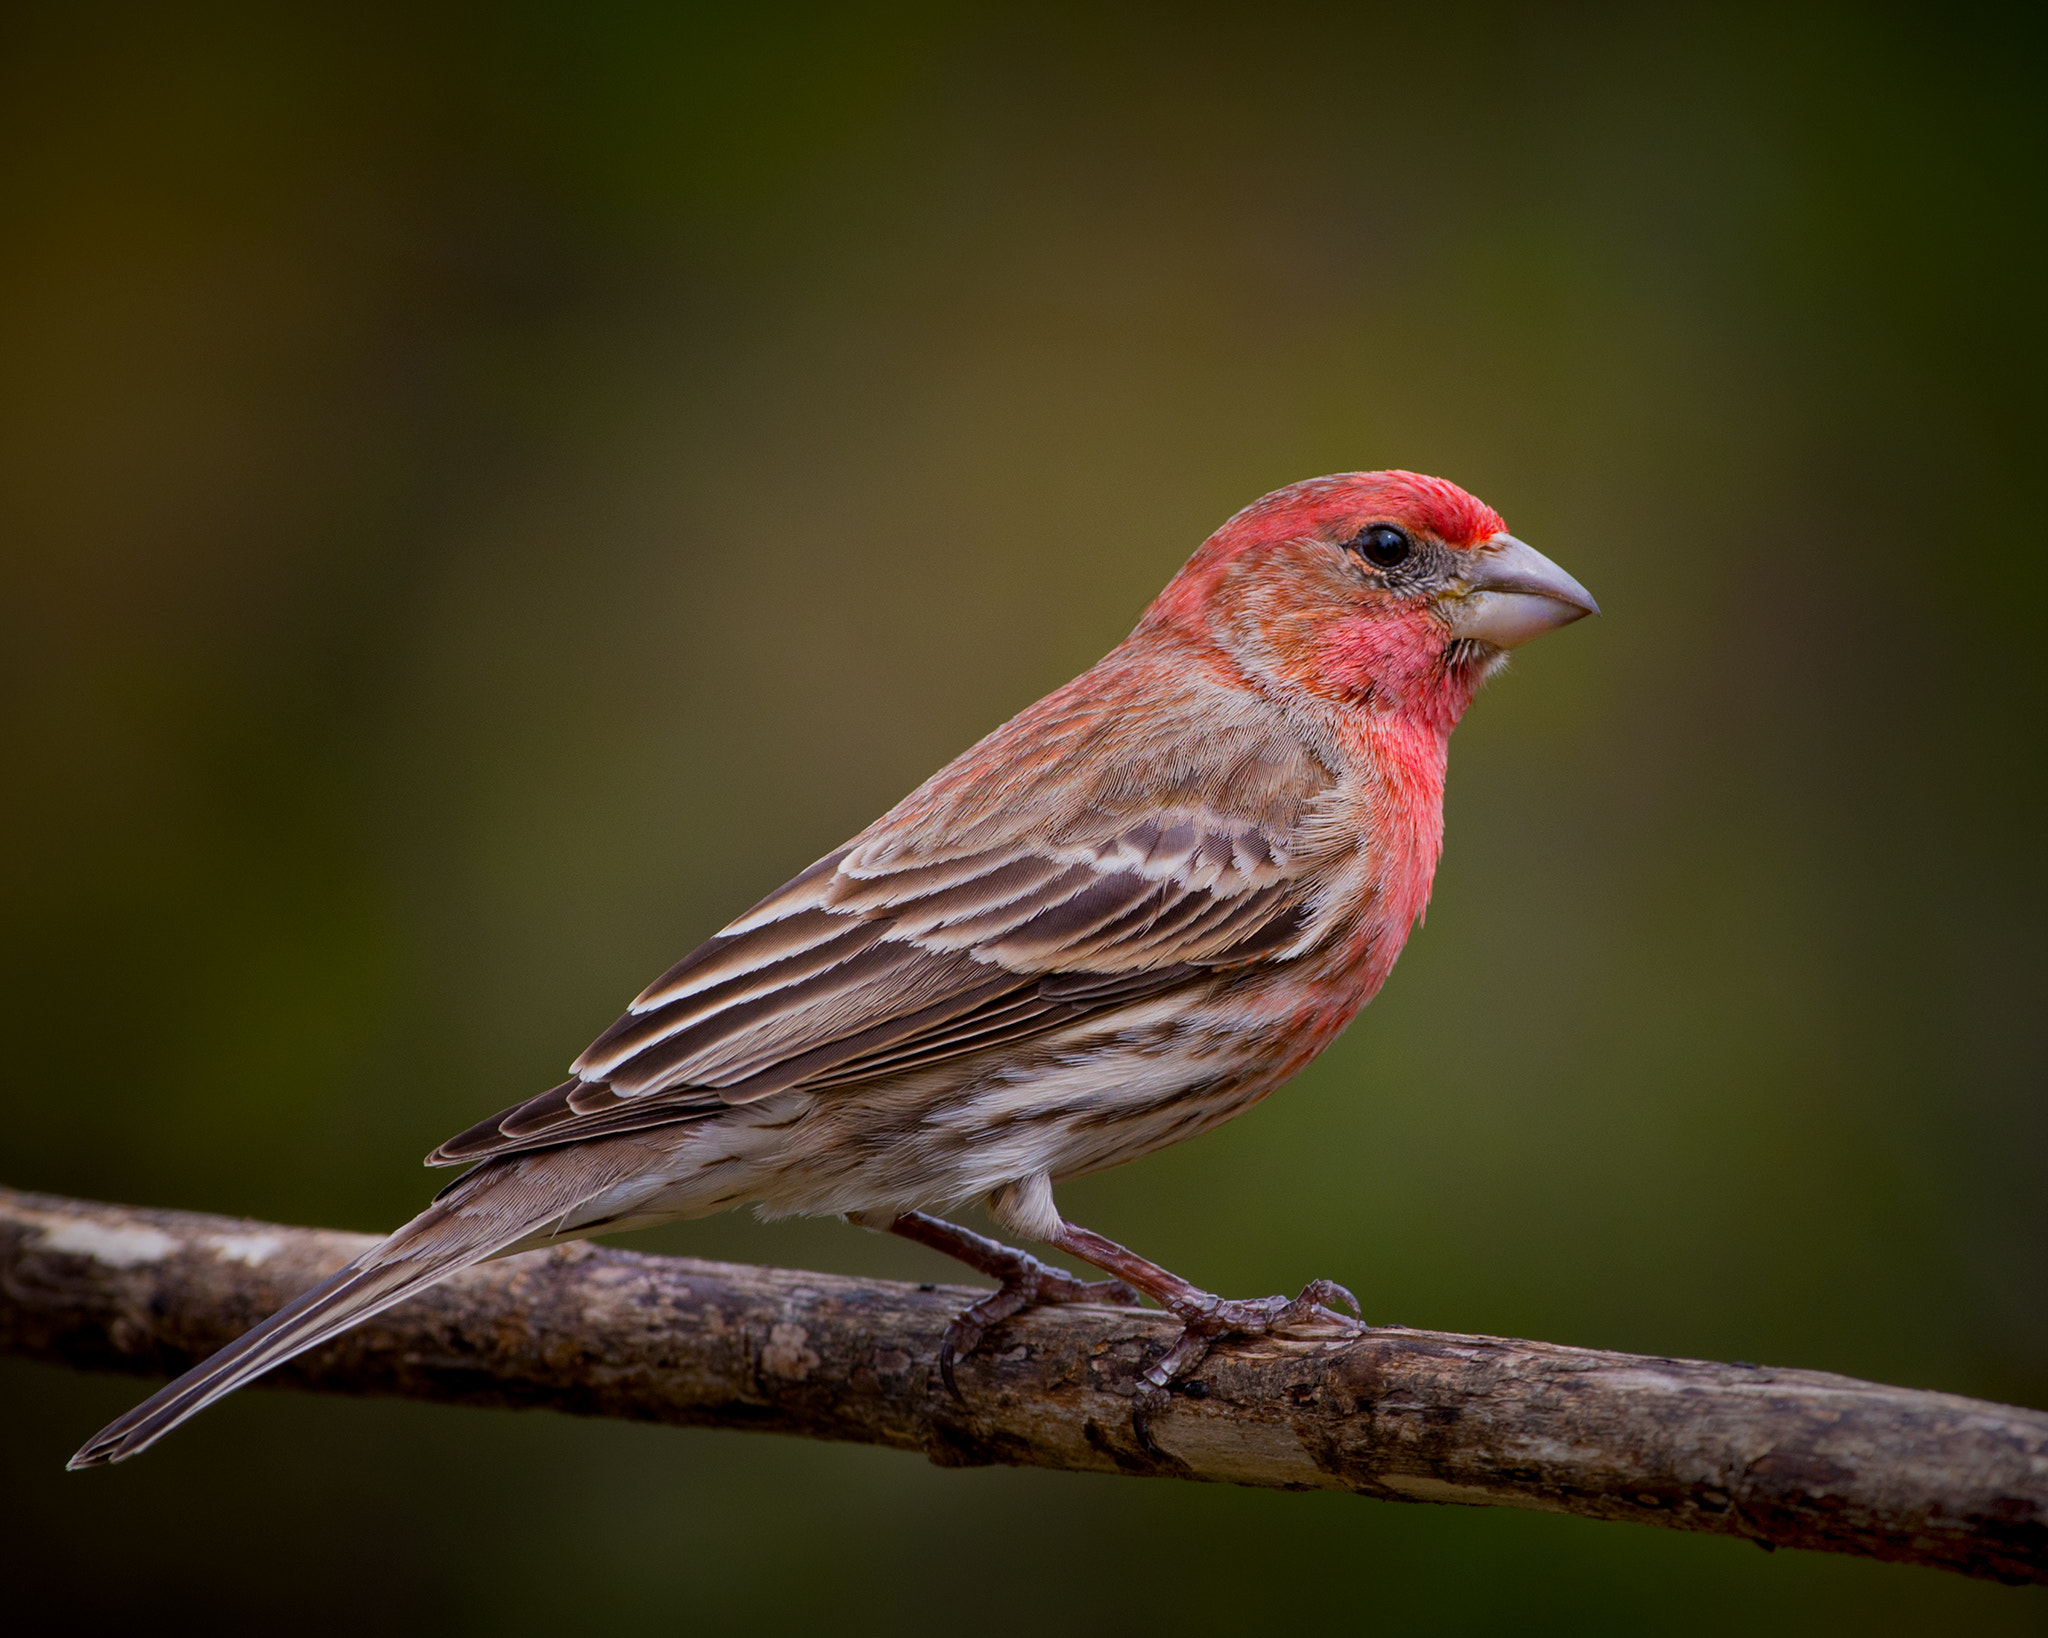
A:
[1787,1458]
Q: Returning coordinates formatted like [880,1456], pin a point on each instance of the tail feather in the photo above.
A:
[490,1211]
[341,1300]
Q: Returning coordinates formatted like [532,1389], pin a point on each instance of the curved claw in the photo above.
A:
[1206,1325]
[964,1335]
[1030,1285]
[1324,1294]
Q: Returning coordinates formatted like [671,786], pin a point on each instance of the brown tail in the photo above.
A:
[489,1211]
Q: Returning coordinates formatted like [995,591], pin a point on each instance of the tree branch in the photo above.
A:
[1786,1458]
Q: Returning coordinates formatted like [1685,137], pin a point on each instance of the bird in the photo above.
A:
[1121,919]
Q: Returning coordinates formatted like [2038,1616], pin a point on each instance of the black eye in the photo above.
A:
[1384,545]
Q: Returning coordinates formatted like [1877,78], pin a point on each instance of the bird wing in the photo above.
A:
[1078,859]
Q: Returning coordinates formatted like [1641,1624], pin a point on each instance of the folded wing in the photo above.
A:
[900,951]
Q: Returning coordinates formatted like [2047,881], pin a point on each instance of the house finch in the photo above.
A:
[1125,916]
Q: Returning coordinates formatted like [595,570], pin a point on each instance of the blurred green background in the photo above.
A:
[485,493]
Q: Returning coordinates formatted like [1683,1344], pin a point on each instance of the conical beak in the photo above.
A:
[1513,593]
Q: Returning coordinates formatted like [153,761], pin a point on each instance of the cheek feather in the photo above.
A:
[1403,664]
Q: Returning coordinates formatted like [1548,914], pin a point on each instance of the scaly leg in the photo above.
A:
[1205,1317]
[1025,1282]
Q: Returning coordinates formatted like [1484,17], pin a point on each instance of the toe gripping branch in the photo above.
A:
[1211,1319]
[1025,1282]
[1206,1318]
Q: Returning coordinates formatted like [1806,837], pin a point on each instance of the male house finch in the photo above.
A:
[1125,916]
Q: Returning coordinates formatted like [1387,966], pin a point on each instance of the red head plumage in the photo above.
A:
[1291,592]
[1333,509]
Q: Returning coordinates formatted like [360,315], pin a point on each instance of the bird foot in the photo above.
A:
[1209,1320]
[1026,1283]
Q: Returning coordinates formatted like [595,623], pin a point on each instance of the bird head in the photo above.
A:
[1387,591]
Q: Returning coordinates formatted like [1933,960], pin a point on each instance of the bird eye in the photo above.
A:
[1384,545]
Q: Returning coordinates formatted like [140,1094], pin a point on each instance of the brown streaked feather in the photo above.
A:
[989,906]
[1110,924]
[777,905]
[994,1023]
[594,1098]
[859,893]
[835,948]
[973,930]
[742,1040]
[1231,923]
[488,1136]
[547,1109]
[569,1113]
[639,1115]
[1281,927]
[996,881]
[1132,923]
[979,1007]
[1098,990]
[793,1071]
[1060,925]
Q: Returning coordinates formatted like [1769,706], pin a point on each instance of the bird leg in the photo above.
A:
[1205,1317]
[1024,1282]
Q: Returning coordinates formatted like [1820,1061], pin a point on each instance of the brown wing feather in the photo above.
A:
[907,948]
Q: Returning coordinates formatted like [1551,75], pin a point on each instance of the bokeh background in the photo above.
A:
[486,492]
